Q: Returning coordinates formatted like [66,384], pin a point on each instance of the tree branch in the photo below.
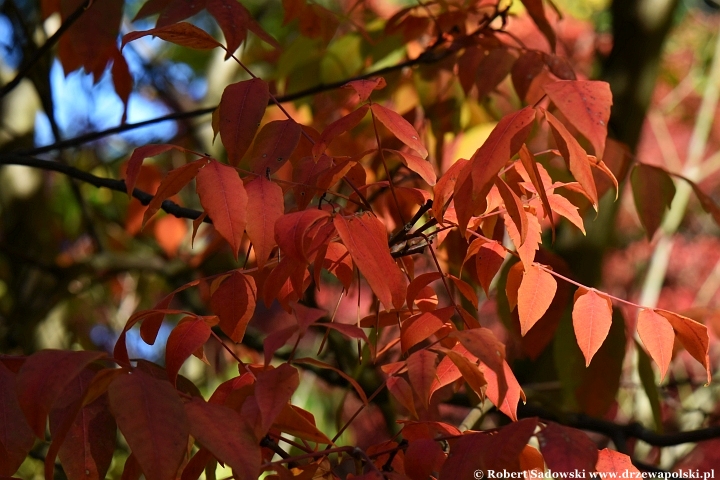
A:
[427,57]
[118,185]
[49,43]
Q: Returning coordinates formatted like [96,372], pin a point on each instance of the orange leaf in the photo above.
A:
[183,34]
[417,284]
[512,285]
[170,185]
[291,232]
[528,161]
[693,336]
[226,435]
[152,419]
[489,259]
[653,192]
[562,206]
[466,290]
[526,250]
[366,240]
[222,195]
[575,156]
[586,104]
[592,317]
[535,295]
[514,207]
[470,372]
[234,303]
[189,335]
[504,141]
[615,462]
[504,391]
[241,108]
[364,87]
[482,343]
[265,206]
[444,188]
[273,390]
[418,165]
[399,127]
[337,128]
[421,370]
[422,326]
[274,144]
[658,337]
[169,232]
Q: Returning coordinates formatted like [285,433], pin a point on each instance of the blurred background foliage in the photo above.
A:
[74,263]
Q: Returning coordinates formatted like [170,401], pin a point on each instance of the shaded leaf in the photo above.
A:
[136,160]
[504,391]
[152,419]
[175,180]
[418,165]
[653,192]
[444,188]
[325,366]
[291,232]
[421,371]
[364,87]
[337,128]
[470,372]
[566,449]
[528,161]
[273,146]
[234,303]
[183,34]
[489,259]
[693,336]
[241,108]
[536,10]
[16,436]
[273,390]
[514,207]
[402,391]
[418,284]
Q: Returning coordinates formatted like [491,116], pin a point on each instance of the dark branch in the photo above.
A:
[72,18]
[118,185]
[427,57]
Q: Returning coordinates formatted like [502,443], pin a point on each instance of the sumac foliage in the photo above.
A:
[383,254]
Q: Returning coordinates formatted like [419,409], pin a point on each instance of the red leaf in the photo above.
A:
[466,290]
[241,108]
[183,34]
[42,379]
[693,336]
[536,293]
[482,343]
[488,261]
[232,18]
[152,419]
[536,10]
[706,201]
[136,160]
[337,128]
[325,366]
[366,240]
[335,259]
[273,390]
[444,188]
[615,462]
[350,331]
[364,87]
[306,316]
[592,317]
[276,340]
[423,457]
[16,436]
[291,232]
[422,326]
[298,422]
[421,370]
[586,104]
[222,195]
[399,127]
[514,207]
[189,335]
[174,181]
[653,192]
[418,165]
[274,144]
[504,141]
[234,303]
[512,285]
[575,157]
[566,449]
[525,70]
[226,435]
[265,206]
[417,284]
[402,391]
[85,421]
[658,337]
